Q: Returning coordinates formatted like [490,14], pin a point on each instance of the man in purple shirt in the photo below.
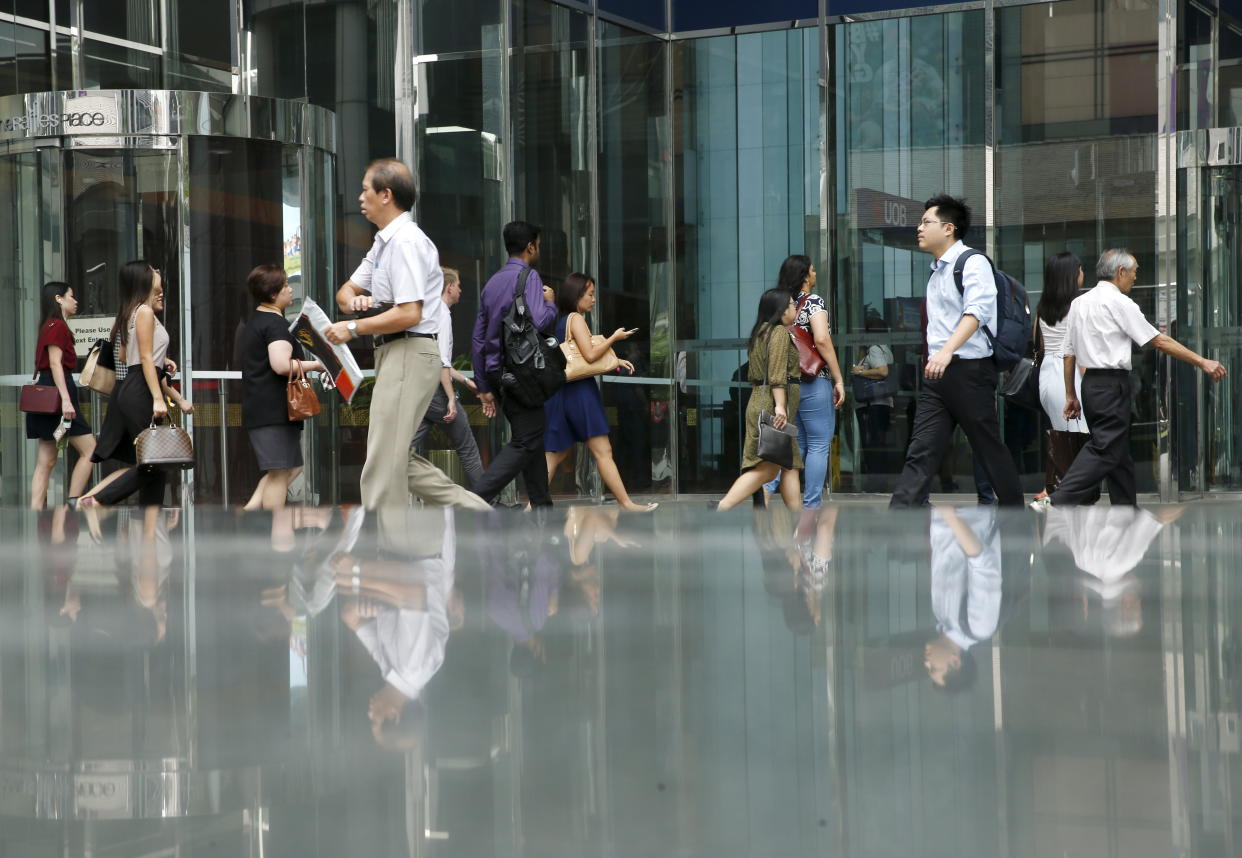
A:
[524,452]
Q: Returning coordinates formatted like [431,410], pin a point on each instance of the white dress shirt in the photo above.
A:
[403,265]
[1102,325]
[1107,541]
[445,336]
[963,587]
[945,307]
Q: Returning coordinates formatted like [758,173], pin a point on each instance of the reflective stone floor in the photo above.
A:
[325,682]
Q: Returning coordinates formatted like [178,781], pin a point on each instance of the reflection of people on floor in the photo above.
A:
[1107,542]
[402,605]
[58,538]
[965,591]
[523,594]
[813,542]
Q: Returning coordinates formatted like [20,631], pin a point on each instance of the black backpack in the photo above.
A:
[533,364]
[1011,341]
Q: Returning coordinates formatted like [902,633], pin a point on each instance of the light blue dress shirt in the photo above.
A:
[945,307]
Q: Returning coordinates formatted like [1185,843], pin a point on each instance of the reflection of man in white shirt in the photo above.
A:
[1107,543]
[1102,327]
[965,591]
[405,626]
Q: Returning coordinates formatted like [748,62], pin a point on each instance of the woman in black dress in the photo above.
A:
[140,342]
[269,353]
[55,359]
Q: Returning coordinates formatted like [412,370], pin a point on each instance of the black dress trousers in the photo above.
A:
[1106,403]
[523,454]
[964,396]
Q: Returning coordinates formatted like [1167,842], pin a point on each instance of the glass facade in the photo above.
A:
[678,151]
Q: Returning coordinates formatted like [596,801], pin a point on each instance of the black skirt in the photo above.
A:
[128,414]
[41,426]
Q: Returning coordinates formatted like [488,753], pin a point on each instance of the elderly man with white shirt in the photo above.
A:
[401,278]
[1102,324]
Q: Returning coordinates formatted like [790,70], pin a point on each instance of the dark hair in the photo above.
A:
[518,235]
[964,677]
[389,174]
[137,280]
[1060,287]
[794,271]
[951,210]
[265,282]
[48,308]
[570,292]
[772,305]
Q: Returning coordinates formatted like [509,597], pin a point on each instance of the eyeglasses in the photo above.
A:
[926,222]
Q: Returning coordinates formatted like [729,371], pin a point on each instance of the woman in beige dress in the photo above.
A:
[774,378]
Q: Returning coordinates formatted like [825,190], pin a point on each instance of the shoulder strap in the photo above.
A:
[519,293]
[960,265]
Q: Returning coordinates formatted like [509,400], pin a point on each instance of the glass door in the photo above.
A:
[21,271]
[1207,316]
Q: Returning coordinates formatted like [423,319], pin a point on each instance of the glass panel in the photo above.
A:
[747,195]
[635,271]
[36,10]
[25,65]
[200,52]
[277,63]
[133,20]
[1221,288]
[551,154]
[106,66]
[21,274]
[710,14]
[237,221]
[909,126]
[1076,171]
[649,12]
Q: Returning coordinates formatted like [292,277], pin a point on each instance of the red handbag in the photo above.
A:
[810,361]
[39,398]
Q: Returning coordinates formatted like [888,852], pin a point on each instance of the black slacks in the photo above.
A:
[1106,403]
[964,396]
[524,454]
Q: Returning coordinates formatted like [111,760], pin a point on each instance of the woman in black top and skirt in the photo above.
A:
[269,353]
[55,359]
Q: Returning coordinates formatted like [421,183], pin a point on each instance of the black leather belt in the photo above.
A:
[384,339]
[1113,372]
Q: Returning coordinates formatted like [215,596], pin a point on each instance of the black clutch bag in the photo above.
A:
[1021,386]
[776,445]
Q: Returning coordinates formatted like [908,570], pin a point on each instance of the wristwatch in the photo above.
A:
[352,327]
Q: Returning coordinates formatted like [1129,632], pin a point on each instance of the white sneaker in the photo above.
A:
[1040,504]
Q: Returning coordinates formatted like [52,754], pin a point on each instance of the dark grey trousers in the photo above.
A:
[459,434]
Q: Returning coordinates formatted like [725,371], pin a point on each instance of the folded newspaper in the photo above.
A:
[339,362]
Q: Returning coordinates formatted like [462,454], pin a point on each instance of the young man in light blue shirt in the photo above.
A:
[959,380]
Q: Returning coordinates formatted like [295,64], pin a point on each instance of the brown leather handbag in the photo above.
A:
[39,398]
[164,447]
[303,402]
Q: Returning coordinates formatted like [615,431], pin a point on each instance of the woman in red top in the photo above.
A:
[55,359]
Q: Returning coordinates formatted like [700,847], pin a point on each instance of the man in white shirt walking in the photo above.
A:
[959,386]
[1102,324]
[401,277]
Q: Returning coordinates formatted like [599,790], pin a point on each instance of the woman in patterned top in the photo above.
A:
[817,416]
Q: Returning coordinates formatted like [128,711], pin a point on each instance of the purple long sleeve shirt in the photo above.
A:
[494,303]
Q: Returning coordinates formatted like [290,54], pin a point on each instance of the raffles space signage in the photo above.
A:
[88,114]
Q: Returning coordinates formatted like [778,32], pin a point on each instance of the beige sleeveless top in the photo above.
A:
[159,345]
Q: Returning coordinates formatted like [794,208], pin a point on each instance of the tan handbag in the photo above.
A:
[99,371]
[303,402]
[164,447]
[576,366]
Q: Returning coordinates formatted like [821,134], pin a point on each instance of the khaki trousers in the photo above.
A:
[407,373]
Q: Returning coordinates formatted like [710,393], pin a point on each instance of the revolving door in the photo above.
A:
[202,186]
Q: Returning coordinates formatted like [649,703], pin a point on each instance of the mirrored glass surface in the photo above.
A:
[848,681]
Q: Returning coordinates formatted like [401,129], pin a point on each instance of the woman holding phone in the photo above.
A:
[575,413]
